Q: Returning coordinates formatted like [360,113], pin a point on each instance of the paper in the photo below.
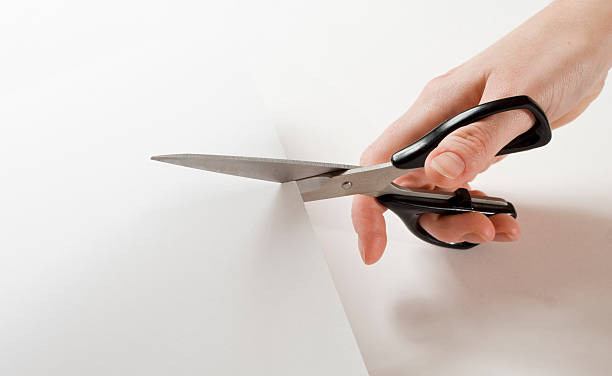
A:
[111,263]
[537,307]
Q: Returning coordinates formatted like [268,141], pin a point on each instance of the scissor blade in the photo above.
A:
[370,180]
[276,170]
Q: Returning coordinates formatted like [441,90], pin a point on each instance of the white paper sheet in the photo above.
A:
[537,307]
[114,264]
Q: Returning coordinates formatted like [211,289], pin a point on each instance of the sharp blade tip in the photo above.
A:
[161,158]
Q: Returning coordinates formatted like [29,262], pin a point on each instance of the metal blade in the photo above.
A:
[276,170]
[370,180]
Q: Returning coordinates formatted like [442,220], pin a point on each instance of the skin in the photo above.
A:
[560,58]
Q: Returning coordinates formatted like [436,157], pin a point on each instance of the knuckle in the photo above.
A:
[440,86]
[475,139]
[436,84]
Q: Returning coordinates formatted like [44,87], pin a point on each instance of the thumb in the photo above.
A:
[471,149]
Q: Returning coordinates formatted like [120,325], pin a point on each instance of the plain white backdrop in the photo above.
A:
[330,76]
[113,264]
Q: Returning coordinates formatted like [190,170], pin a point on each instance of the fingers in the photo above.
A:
[471,227]
[507,228]
[471,149]
[441,98]
[468,227]
[369,224]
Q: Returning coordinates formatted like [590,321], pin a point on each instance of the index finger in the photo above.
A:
[441,98]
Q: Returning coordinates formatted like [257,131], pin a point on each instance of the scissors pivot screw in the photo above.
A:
[318,181]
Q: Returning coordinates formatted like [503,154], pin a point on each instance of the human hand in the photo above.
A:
[560,58]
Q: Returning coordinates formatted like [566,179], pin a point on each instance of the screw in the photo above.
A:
[347,185]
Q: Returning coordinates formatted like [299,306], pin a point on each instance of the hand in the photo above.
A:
[560,58]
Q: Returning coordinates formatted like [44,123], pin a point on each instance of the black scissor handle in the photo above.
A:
[414,155]
[410,208]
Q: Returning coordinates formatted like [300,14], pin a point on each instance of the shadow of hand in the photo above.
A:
[542,302]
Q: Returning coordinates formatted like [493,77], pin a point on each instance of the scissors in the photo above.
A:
[319,181]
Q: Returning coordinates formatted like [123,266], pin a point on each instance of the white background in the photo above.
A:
[336,76]
[332,75]
[112,264]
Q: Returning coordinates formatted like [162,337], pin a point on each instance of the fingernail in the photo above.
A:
[474,238]
[361,250]
[448,164]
